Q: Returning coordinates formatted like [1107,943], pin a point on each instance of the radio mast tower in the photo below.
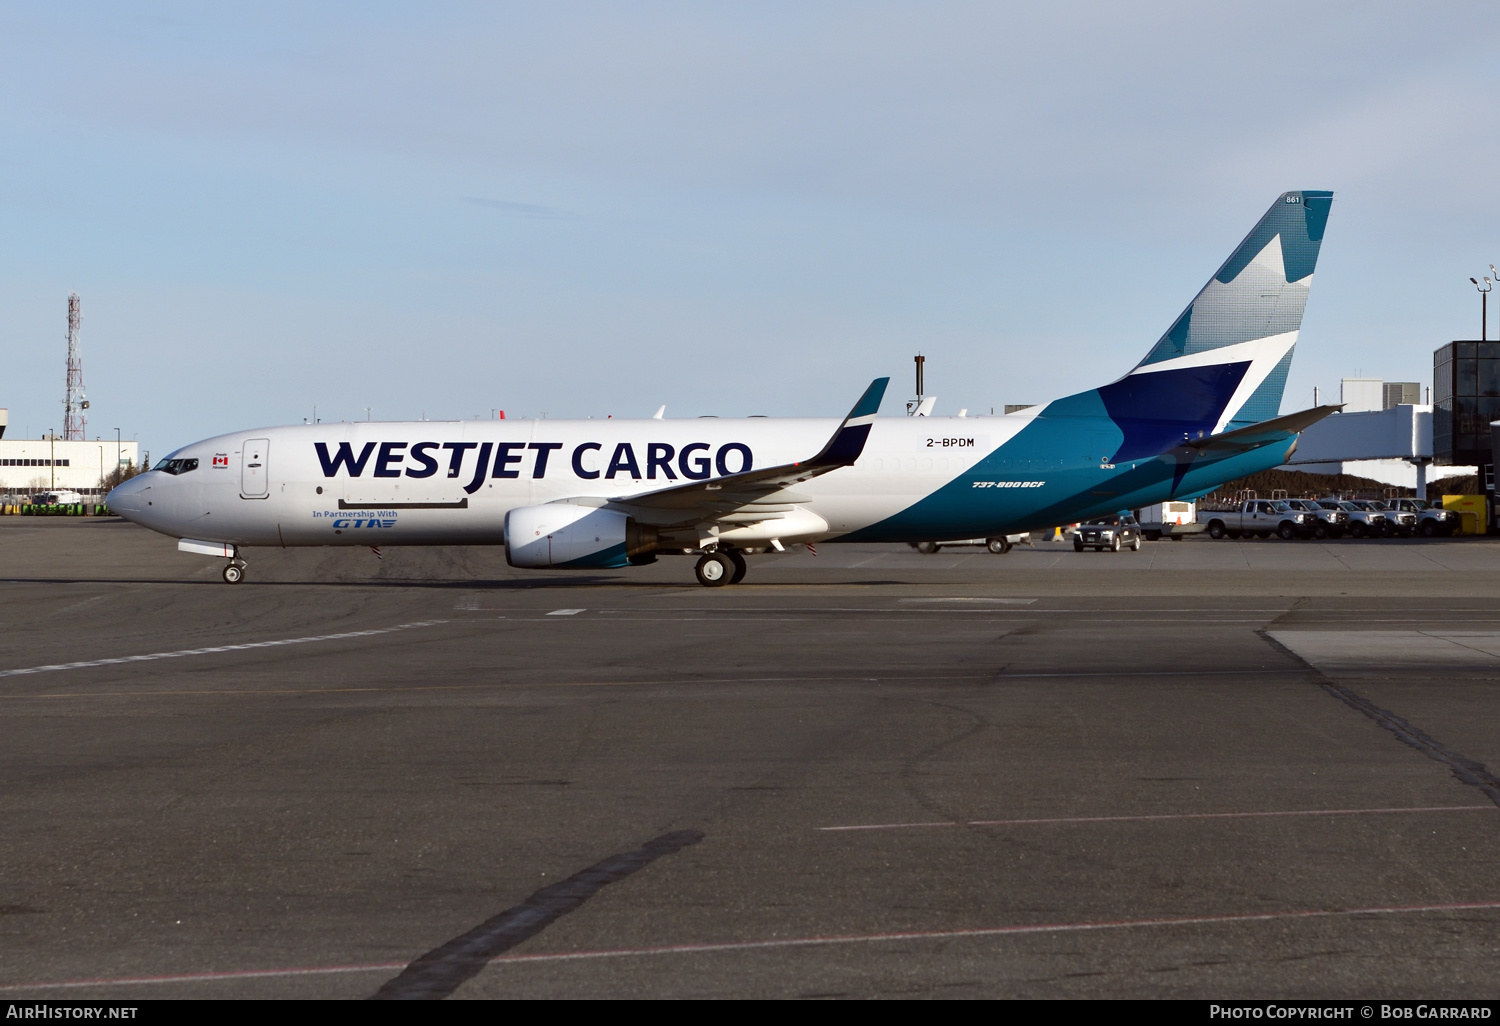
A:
[74,403]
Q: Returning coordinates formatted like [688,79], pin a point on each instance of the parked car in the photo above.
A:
[1396,521]
[1262,518]
[1431,520]
[1330,523]
[1363,523]
[1114,532]
[1000,544]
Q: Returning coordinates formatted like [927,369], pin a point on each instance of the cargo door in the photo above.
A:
[253,475]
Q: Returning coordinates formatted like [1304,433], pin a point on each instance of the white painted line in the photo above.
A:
[992,601]
[152,656]
[805,942]
[468,603]
[1164,818]
[565,612]
[997,931]
[243,974]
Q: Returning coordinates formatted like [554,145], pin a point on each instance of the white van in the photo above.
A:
[63,498]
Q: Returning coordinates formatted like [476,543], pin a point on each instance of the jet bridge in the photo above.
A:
[1399,435]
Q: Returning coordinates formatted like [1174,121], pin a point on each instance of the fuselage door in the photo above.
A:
[253,458]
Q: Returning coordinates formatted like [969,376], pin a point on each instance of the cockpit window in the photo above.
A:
[175,467]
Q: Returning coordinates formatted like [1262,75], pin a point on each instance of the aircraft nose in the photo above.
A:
[125,498]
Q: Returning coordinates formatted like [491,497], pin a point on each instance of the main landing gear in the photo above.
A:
[716,569]
[234,571]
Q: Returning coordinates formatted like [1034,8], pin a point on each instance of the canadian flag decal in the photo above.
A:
[221,459]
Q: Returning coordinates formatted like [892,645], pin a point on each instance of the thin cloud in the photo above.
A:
[519,209]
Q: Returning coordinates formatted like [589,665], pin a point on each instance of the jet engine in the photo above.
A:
[560,534]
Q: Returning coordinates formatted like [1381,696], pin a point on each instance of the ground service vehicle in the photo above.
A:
[999,545]
[1330,523]
[1431,520]
[1261,518]
[1363,523]
[1112,533]
[1199,409]
[1396,521]
[1175,520]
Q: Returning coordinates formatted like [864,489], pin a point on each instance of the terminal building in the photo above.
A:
[29,465]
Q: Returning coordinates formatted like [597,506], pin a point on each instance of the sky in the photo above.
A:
[439,210]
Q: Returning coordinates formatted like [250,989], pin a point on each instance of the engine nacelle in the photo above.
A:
[562,535]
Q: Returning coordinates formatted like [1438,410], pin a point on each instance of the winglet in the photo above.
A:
[849,440]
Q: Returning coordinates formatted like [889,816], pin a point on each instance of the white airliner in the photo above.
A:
[1200,409]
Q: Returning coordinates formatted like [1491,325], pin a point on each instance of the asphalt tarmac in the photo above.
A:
[1206,769]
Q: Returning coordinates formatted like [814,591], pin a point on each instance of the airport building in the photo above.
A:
[30,465]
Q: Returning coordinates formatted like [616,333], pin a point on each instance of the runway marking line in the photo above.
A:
[795,942]
[566,612]
[181,653]
[397,688]
[1159,818]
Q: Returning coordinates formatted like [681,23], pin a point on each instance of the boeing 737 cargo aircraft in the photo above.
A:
[1200,409]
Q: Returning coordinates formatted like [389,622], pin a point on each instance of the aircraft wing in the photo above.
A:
[1264,433]
[764,488]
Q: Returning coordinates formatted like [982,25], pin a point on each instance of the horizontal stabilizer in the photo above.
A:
[1264,433]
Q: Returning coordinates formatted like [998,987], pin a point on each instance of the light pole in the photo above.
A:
[1484,307]
[118,448]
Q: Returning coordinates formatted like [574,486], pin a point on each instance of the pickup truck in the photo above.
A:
[1259,517]
[1402,522]
[1331,523]
[1363,523]
[1431,520]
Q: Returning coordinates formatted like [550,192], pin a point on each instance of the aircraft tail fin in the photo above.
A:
[1251,311]
[1223,363]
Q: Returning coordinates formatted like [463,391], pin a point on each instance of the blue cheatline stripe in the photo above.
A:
[604,559]
[1062,452]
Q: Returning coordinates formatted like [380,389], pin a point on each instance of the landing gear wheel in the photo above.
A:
[714,570]
[927,548]
[234,573]
[999,546]
[739,566]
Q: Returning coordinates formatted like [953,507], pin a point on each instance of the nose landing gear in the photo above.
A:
[234,571]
